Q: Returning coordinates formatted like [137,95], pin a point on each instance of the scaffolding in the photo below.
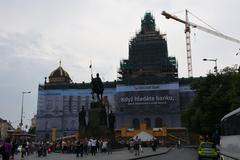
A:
[148,56]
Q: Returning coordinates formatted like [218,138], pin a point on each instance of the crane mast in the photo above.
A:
[188,46]
[188,31]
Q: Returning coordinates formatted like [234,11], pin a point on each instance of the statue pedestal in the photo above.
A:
[97,121]
[97,115]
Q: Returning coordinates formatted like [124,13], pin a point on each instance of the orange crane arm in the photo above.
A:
[168,16]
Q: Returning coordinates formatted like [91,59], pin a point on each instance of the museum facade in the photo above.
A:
[147,90]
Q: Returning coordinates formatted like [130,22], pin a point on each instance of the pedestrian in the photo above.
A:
[44,149]
[90,145]
[23,150]
[136,146]
[154,144]
[6,149]
[64,146]
[104,145]
[77,148]
[100,145]
[81,147]
[131,145]
[14,147]
[109,146]
[27,148]
[85,146]
[140,146]
[94,147]
[179,144]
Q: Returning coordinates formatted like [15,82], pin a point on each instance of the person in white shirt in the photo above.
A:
[104,146]
[89,145]
[93,146]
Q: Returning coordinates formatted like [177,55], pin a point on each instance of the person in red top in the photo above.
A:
[6,149]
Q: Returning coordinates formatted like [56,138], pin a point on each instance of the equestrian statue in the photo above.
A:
[97,87]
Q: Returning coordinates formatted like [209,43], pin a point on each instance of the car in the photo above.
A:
[207,150]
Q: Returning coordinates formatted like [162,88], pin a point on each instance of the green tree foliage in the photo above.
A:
[216,95]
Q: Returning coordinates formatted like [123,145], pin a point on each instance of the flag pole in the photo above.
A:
[91,69]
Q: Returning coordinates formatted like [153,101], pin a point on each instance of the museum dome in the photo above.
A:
[59,75]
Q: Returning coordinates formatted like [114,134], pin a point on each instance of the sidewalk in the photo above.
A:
[116,155]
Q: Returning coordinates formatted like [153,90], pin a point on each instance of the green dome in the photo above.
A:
[59,76]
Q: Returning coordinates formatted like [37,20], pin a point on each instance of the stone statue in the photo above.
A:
[103,117]
[97,87]
[111,120]
[82,119]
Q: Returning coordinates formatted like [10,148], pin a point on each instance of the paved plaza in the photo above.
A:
[177,154]
[116,155]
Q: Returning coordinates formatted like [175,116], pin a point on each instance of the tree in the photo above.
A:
[32,130]
[217,95]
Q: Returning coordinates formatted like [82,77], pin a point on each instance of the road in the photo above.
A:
[116,155]
[177,154]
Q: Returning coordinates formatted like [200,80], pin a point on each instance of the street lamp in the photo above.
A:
[214,60]
[21,123]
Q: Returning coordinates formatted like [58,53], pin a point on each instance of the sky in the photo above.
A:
[35,35]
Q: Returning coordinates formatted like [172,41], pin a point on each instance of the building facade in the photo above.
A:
[148,90]
[5,126]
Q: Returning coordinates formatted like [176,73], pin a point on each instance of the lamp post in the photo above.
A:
[21,123]
[214,60]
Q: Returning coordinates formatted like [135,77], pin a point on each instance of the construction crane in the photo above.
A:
[188,40]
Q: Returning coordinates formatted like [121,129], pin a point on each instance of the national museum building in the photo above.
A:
[147,90]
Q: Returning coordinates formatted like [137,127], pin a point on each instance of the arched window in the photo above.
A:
[70,104]
[65,125]
[73,124]
[158,122]
[47,125]
[136,123]
[148,122]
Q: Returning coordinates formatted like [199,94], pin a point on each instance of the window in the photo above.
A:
[70,104]
[65,125]
[73,124]
[148,122]
[136,123]
[230,125]
[158,122]
[47,125]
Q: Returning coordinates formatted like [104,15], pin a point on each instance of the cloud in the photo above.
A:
[35,35]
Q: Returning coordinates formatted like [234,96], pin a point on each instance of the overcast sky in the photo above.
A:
[36,34]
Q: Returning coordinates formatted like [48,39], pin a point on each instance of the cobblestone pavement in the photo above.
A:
[116,155]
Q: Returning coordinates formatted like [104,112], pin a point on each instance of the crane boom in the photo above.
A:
[216,33]
[188,41]
[168,16]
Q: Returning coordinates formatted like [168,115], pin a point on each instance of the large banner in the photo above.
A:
[148,98]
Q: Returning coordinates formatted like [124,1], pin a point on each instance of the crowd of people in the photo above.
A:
[135,145]
[81,147]
[9,148]
[85,146]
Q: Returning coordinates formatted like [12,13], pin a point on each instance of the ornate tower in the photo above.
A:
[148,60]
